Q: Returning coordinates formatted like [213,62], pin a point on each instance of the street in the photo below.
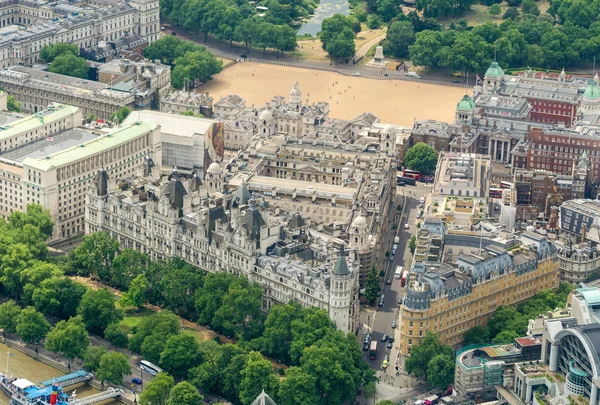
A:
[379,319]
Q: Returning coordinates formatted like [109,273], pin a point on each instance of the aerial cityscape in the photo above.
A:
[317,202]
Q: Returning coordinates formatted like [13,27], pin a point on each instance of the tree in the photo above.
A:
[135,296]
[277,336]
[116,334]
[92,357]
[12,104]
[49,52]
[113,366]
[241,303]
[120,114]
[69,338]
[313,326]
[400,35]
[507,336]
[421,157]
[511,13]
[162,324]
[58,296]
[477,335]
[386,402]
[128,264]
[298,388]
[152,347]
[337,36]
[412,245]
[440,371]
[33,276]
[257,375]
[14,262]
[370,390]
[286,39]
[184,393]
[372,285]
[246,32]
[505,318]
[190,113]
[95,255]
[98,310]
[421,355]
[530,7]
[495,10]
[32,326]
[180,354]
[156,392]
[69,65]
[9,316]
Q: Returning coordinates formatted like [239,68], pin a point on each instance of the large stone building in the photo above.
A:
[580,219]
[46,159]
[451,299]
[191,219]
[28,25]
[36,89]
[462,174]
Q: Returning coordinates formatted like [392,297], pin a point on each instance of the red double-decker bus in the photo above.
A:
[413,174]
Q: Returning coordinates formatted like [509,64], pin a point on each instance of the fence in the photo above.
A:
[361,76]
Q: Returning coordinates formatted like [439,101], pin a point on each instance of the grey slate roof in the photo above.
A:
[241,196]
[341,267]
[176,191]
[297,221]
[253,221]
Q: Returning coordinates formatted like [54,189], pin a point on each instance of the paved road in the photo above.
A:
[222,49]
[379,319]
[362,51]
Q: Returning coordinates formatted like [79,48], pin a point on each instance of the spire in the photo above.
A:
[341,267]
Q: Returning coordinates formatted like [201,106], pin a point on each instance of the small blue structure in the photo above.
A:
[69,379]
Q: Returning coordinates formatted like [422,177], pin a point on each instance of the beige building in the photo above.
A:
[450,300]
[462,174]
[46,159]
[36,89]
[181,101]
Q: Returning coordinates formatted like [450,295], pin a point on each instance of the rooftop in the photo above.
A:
[46,147]
[31,122]
[176,124]
[118,136]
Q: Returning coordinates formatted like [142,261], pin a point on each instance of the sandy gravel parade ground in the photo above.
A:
[396,101]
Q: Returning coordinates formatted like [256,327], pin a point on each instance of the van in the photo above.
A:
[413,75]
[396,240]
[406,226]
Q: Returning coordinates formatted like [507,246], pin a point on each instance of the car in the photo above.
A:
[394,249]
[388,281]
[395,246]
[391,339]
[163,29]
[136,381]
[368,336]
[173,33]
[406,226]
[243,56]
[402,184]
[355,74]
[380,303]
[419,215]
[394,325]
[399,300]
[365,346]
[384,338]
[455,81]
[391,258]
[389,345]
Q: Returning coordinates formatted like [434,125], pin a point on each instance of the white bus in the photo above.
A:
[150,368]
[398,273]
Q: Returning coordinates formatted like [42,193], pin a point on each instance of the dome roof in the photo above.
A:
[266,115]
[592,92]
[295,90]
[466,104]
[359,221]
[389,129]
[494,70]
[214,168]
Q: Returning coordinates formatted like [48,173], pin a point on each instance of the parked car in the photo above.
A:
[388,281]
[406,226]
[455,81]
[243,56]
[391,339]
[365,346]
[391,258]
[394,325]
[399,300]
[389,345]
[384,338]
[380,303]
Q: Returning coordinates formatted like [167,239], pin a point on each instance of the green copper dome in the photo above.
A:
[494,70]
[592,91]
[466,104]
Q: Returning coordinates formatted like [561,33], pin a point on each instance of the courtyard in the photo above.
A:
[395,101]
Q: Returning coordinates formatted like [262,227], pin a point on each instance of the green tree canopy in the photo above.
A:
[113,366]
[12,104]
[298,388]
[116,333]
[400,35]
[98,310]
[157,391]
[95,255]
[49,52]
[421,355]
[9,316]
[162,324]
[477,335]
[135,296]
[506,336]
[92,357]
[70,65]
[181,353]
[421,157]
[69,338]
[337,36]
[58,296]
[120,116]
[184,393]
[277,336]
[32,326]
[257,375]
[440,371]
[372,285]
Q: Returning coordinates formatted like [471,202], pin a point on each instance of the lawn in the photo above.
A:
[132,318]
[193,332]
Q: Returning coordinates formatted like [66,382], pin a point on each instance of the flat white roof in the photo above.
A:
[22,383]
[172,124]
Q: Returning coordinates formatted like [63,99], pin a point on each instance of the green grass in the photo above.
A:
[132,319]
[196,333]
